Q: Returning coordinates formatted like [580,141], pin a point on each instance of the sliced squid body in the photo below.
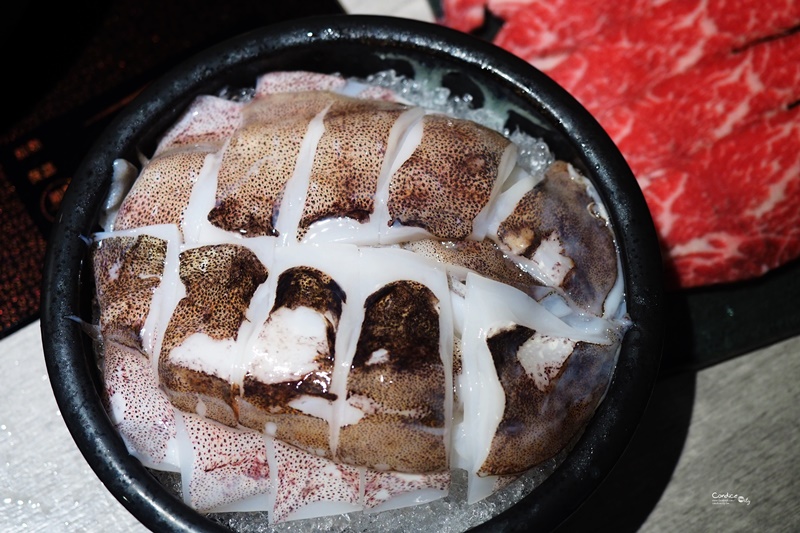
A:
[323,299]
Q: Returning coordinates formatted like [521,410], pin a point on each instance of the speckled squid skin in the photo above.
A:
[206,125]
[397,369]
[483,257]
[220,473]
[127,271]
[538,423]
[220,281]
[268,403]
[380,487]
[260,160]
[448,179]
[349,159]
[161,193]
[305,478]
[559,204]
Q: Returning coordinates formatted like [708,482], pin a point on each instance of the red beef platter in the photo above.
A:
[702,99]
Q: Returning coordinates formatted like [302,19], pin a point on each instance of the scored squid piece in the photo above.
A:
[398,398]
[223,468]
[163,189]
[552,385]
[133,285]
[127,272]
[283,81]
[309,486]
[446,186]
[361,141]
[206,125]
[558,231]
[482,257]
[289,359]
[161,193]
[398,347]
[304,376]
[515,352]
[297,81]
[136,285]
[275,144]
[199,347]
[393,490]
[138,408]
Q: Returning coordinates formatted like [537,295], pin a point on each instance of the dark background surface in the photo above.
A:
[69,68]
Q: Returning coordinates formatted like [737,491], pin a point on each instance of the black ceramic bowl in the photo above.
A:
[355,46]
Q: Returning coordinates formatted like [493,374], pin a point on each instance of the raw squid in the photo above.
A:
[324,299]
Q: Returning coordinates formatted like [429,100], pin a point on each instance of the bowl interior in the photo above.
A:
[355,46]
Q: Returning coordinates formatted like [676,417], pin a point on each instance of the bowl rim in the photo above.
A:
[65,342]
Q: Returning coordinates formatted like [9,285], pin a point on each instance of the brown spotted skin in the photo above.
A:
[448,179]
[260,160]
[124,299]
[537,424]
[560,203]
[147,420]
[482,257]
[408,389]
[261,403]
[348,160]
[220,281]
[309,287]
[161,192]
